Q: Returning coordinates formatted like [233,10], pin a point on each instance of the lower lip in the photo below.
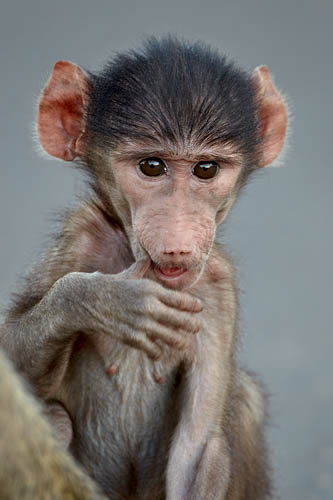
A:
[170,274]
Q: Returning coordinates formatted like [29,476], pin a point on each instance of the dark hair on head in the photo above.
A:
[173,91]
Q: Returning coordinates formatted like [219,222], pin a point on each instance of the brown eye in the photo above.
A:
[152,167]
[205,169]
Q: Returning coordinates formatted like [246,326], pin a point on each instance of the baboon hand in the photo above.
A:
[137,311]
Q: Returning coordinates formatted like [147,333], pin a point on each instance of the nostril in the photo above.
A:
[177,252]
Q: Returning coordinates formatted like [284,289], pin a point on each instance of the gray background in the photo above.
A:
[281,229]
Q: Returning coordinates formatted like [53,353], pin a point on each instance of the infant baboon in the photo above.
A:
[127,328]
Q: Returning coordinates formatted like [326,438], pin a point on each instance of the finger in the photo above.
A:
[180,300]
[140,341]
[172,318]
[173,338]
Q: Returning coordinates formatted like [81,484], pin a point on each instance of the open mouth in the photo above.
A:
[169,272]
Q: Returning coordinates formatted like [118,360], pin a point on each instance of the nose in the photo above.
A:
[178,240]
[177,251]
[178,244]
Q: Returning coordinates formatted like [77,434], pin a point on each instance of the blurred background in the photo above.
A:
[280,232]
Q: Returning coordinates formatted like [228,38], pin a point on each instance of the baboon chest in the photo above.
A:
[122,421]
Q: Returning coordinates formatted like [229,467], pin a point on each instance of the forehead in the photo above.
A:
[177,99]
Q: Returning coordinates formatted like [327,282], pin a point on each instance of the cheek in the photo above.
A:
[128,196]
[221,195]
[136,193]
[228,181]
[129,191]
[224,187]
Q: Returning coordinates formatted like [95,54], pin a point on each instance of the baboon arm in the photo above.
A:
[212,476]
[40,326]
[39,340]
[199,460]
[199,470]
[198,464]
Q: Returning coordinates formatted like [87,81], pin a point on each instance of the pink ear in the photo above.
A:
[272,116]
[61,120]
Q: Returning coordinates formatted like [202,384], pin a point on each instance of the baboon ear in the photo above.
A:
[272,115]
[61,113]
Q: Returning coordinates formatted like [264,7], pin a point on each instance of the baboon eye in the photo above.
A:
[205,169]
[152,167]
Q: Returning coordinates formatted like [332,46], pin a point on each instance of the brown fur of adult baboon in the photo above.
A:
[33,464]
